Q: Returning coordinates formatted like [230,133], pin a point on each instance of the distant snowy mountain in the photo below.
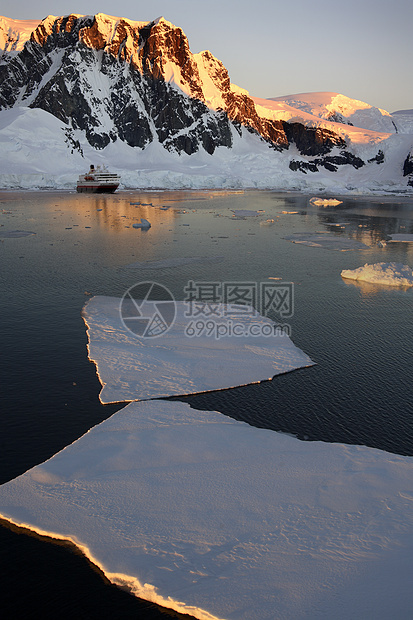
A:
[14,33]
[338,108]
[132,95]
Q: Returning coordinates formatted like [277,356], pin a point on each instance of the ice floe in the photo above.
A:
[241,213]
[210,516]
[326,241]
[142,224]
[15,234]
[391,274]
[325,202]
[196,354]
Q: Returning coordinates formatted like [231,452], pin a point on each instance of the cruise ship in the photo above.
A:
[98,180]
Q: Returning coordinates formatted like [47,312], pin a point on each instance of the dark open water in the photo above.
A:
[360,337]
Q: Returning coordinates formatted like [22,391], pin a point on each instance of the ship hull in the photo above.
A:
[97,189]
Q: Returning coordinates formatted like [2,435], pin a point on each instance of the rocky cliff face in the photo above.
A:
[408,169]
[115,79]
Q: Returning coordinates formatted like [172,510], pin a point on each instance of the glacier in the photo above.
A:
[35,154]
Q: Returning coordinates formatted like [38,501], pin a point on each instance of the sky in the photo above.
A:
[359,48]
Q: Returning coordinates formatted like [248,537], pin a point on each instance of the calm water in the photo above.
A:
[360,337]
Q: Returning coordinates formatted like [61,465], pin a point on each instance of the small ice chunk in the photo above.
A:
[392,274]
[325,202]
[241,213]
[143,224]
[326,241]
[14,234]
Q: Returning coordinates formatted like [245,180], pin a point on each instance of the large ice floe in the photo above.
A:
[208,515]
[215,518]
[185,360]
[391,274]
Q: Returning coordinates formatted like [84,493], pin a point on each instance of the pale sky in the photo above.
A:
[359,48]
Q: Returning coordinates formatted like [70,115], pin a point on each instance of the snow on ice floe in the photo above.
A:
[391,274]
[325,202]
[210,516]
[134,368]
[326,241]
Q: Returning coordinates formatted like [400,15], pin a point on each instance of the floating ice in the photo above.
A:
[325,202]
[14,234]
[212,517]
[329,242]
[165,263]
[241,213]
[143,224]
[197,354]
[392,274]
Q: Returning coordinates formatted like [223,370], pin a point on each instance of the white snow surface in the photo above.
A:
[391,274]
[210,516]
[36,151]
[325,105]
[14,33]
[134,368]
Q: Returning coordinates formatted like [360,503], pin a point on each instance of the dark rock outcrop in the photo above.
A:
[408,169]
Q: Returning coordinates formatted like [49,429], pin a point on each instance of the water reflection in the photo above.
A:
[358,334]
[370,289]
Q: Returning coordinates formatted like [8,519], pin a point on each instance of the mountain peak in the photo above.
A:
[329,106]
[109,79]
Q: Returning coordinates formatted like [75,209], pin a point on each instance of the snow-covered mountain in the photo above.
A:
[133,96]
[335,107]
